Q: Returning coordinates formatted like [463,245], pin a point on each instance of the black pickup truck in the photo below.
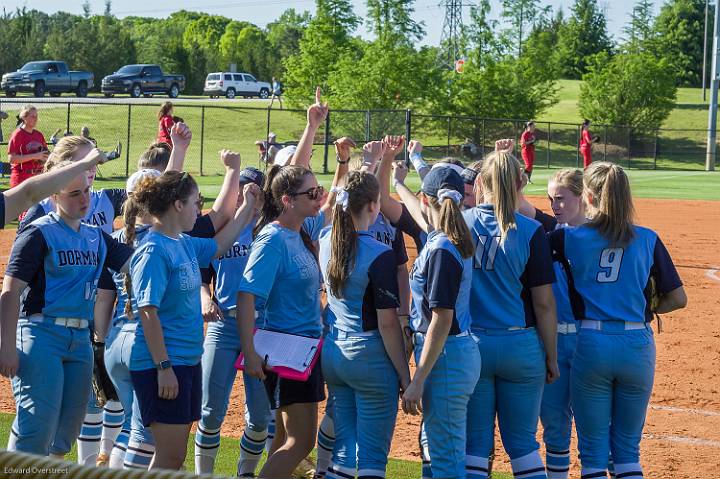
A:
[142,80]
[53,77]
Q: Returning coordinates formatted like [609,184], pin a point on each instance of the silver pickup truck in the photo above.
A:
[51,77]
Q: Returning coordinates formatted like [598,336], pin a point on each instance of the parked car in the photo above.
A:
[230,85]
[142,80]
[47,76]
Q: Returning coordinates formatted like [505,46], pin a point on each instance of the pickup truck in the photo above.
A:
[142,80]
[47,76]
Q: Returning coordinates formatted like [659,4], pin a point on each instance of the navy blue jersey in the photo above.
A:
[612,281]
[441,278]
[371,284]
[561,287]
[62,266]
[387,234]
[105,206]
[549,223]
[409,226]
[504,273]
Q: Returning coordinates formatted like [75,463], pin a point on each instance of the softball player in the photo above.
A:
[283,270]
[613,369]
[448,360]
[221,348]
[565,195]
[363,357]
[165,358]
[511,296]
[59,260]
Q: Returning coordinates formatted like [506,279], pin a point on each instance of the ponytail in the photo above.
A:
[612,208]
[453,224]
[270,209]
[500,175]
[130,213]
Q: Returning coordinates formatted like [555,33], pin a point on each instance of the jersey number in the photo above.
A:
[610,261]
[485,252]
[90,287]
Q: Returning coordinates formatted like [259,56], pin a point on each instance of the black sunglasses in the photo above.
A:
[313,193]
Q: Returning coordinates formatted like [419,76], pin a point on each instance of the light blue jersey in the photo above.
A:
[602,273]
[371,285]
[503,273]
[229,270]
[119,278]
[561,288]
[166,274]
[285,274]
[62,266]
[441,278]
[105,206]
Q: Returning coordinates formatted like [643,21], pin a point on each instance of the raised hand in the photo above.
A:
[414,147]
[317,112]
[343,146]
[393,145]
[230,159]
[506,145]
[400,172]
[180,135]
[251,193]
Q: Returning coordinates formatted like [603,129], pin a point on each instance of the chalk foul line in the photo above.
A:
[713,273]
[694,441]
[700,412]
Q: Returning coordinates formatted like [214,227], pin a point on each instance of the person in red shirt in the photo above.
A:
[27,149]
[586,141]
[527,143]
[166,119]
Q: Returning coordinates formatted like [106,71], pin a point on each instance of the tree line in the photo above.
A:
[512,65]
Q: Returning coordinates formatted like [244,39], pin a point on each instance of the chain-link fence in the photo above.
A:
[238,127]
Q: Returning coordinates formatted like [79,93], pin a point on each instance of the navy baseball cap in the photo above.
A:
[439,178]
[252,175]
[469,175]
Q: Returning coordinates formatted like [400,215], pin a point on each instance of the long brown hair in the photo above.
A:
[612,209]
[453,224]
[155,195]
[362,189]
[500,176]
[131,211]
[164,109]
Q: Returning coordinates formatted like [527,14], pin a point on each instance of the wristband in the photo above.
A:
[417,161]
[337,158]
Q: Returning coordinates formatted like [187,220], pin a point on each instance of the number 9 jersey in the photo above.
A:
[610,282]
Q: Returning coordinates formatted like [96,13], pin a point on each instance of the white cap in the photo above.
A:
[284,156]
[139,175]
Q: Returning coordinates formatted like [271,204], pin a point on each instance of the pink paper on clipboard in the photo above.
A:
[288,355]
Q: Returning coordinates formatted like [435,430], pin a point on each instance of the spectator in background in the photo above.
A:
[3,116]
[85,132]
[268,148]
[56,136]
[27,149]
[166,119]
[277,90]
[527,144]
[586,141]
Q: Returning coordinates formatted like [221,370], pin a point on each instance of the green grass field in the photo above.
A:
[226,462]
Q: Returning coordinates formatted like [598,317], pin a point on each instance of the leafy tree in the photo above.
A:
[582,36]
[391,21]
[284,36]
[680,27]
[631,88]
[522,15]
[640,33]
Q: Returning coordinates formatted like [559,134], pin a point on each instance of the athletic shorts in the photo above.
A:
[285,392]
[184,409]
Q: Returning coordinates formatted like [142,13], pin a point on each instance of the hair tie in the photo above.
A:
[341,196]
[454,195]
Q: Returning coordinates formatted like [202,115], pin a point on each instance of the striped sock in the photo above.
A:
[593,473]
[557,463]
[138,455]
[325,445]
[529,466]
[371,474]
[113,418]
[270,433]
[207,443]
[424,453]
[631,470]
[88,442]
[339,472]
[476,467]
[252,444]
[117,455]
[12,440]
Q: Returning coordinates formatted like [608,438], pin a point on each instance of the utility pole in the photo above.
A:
[704,78]
[712,111]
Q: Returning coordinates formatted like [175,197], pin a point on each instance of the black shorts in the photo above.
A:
[184,409]
[285,392]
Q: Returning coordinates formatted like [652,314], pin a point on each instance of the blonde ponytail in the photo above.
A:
[500,176]
[612,209]
[452,223]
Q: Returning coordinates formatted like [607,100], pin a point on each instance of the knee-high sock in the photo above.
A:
[529,466]
[138,455]
[113,417]
[424,453]
[117,455]
[252,444]
[557,463]
[271,433]
[325,445]
[207,443]
[476,467]
[88,442]
[629,471]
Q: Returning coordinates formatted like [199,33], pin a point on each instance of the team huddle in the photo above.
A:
[122,339]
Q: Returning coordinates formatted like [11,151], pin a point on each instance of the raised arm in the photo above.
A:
[389,206]
[244,215]
[316,114]
[343,146]
[181,136]
[411,202]
[223,207]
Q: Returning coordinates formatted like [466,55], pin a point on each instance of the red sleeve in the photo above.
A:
[15,144]
[166,124]
[586,137]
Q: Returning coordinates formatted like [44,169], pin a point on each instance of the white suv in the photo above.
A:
[235,84]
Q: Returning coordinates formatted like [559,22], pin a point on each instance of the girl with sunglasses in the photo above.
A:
[165,282]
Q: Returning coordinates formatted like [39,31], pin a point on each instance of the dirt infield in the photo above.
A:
[682,435]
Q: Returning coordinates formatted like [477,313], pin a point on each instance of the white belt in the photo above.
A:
[230,313]
[66,322]
[566,328]
[599,325]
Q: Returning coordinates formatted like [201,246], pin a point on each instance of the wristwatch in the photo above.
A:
[337,158]
[166,364]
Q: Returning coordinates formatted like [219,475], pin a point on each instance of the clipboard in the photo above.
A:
[290,356]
